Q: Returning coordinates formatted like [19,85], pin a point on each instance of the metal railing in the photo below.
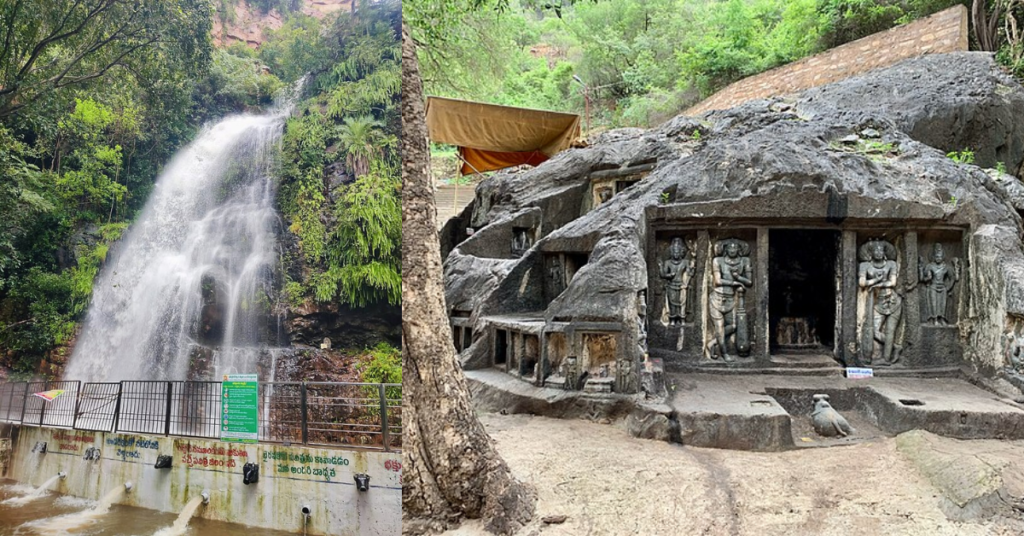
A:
[367,415]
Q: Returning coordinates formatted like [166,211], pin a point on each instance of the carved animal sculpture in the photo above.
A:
[827,421]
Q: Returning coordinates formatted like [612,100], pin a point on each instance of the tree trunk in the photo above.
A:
[986,26]
[451,469]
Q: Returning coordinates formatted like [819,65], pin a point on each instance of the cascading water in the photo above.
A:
[63,524]
[35,494]
[181,524]
[197,268]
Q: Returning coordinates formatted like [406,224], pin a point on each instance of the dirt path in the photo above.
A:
[611,484]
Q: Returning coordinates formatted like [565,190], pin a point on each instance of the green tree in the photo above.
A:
[241,81]
[737,38]
[20,200]
[95,95]
[847,20]
[91,183]
[362,140]
[349,230]
[48,45]
[383,364]
[296,48]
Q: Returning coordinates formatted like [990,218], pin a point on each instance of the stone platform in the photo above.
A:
[804,364]
[768,412]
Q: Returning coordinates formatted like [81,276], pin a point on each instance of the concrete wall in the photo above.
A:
[5,454]
[945,31]
[289,478]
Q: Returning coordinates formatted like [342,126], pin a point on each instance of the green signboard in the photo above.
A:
[239,411]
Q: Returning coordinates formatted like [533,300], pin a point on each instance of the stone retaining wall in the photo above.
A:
[289,477]
[5,454]
[945,31]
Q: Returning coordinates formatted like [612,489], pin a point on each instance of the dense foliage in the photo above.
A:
[1010,51]
[382,364]
[96,95]
[341,183]
[644,61]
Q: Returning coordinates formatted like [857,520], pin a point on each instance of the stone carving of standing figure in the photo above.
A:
[677,270]
[731,276]
[520,241]
[938,277]
[1016,353]
[883,308]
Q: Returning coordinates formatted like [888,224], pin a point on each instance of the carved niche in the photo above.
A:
[676,270]
[938,276]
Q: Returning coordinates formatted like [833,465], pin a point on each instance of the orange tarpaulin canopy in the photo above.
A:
[493,137]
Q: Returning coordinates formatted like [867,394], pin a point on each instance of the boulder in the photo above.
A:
[976,480]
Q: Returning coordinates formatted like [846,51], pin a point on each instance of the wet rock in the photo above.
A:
[310,323]
[308,364]
[83,241]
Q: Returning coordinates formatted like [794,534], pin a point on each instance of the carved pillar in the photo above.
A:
[760,350]
[847,320]
[912,300]
[543,363]
[696,338]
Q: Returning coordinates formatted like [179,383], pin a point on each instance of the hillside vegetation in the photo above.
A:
[645,61]
[96,95]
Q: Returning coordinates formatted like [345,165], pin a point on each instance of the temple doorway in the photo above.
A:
[802,287]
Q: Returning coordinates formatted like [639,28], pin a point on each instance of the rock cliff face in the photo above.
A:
[305,326]
[557,274]
[246,24]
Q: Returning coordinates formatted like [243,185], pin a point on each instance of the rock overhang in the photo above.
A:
[866,153]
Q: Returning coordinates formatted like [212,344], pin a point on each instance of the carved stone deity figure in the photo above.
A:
[1016,353]
[939,278]
[571,373]
[556,275]
[731,275]
[641,322]
[520,241]
[677,270]
[883,306]
[625,375]
[626,365]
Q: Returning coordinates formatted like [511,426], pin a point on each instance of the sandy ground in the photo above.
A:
[608,483]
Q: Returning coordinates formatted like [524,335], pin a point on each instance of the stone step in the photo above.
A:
[781,371]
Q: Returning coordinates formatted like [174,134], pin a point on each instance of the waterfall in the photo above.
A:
[196,271]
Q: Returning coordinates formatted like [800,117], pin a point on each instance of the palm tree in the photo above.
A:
[361,139]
